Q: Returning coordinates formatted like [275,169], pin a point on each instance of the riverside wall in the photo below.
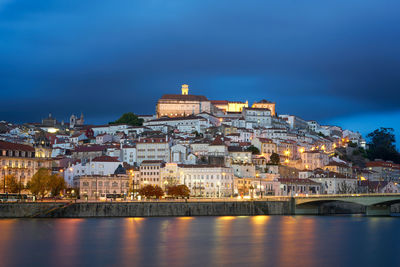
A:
[158,209]
[142,209]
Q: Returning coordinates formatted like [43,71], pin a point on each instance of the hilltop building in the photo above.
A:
[172,105]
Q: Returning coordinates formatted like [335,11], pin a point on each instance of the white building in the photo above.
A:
[257,116]
[128,154]
[103,165]
[153,149]
[187,124]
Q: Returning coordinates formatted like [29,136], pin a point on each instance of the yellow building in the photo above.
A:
[230,106]
[265,104]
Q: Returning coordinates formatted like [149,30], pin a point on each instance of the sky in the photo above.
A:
[330,61]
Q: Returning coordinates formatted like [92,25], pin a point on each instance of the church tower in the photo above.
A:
[185,89]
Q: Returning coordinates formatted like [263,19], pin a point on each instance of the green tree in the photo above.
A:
[382,145]
[254,150]
[56,184]
[274,159]
[12,184]
[39,184]
[44,183]
[129,118]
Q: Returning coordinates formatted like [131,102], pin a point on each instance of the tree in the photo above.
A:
[39,184]
[12,184]
[275,159]
[44,183]
[178,191]
[130,119]
[57,184]
[254,150]
[382,145]
[151,191]
[158,192]
[345,188]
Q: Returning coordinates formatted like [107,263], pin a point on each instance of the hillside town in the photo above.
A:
[215,148]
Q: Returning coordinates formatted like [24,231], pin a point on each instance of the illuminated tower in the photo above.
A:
[185,89]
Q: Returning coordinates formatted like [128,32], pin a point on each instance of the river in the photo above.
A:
[202,241]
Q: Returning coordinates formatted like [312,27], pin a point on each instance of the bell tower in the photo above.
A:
[185,89]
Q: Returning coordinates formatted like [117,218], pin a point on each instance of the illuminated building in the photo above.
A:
[20,160]
[267,105]
[230,106]
[173,105]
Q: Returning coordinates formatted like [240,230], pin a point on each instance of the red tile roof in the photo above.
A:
[15,146]
[184,97]
[105,159]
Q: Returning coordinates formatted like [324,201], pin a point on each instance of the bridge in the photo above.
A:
[375,204]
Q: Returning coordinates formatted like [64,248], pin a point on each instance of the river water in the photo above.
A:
[202,241]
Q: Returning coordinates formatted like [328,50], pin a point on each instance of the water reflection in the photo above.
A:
[201,241]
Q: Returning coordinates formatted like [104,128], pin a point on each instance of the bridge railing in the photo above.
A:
[349,195]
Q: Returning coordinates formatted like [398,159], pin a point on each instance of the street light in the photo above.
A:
[4,179]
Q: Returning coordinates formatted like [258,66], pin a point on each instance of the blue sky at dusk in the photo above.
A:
[332,61]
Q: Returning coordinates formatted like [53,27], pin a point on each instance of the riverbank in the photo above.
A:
[142,209]
[160,209]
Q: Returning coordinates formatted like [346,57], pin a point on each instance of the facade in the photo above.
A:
[100,166]
[265,145]
[153,148]
[207,180]
[230,106]
[19,160]
[150,172]
[384,170]
[295,122]
[258,116]
[182,105]
[312,160]
[128,154]
[265,104]
[86,153]
[334,183]
[97,186]
[295,186]
[188,124]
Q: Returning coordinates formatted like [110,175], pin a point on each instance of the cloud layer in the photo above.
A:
[317,59]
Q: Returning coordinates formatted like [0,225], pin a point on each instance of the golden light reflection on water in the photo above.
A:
[223,233]
[67,232]
[174,242]
[258,231]
[298,234]
[130,243]
[6,239]
[227,218]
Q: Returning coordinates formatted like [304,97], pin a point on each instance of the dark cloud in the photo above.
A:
[316,59]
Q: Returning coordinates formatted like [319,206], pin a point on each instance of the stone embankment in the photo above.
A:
[142,209]
[162,208]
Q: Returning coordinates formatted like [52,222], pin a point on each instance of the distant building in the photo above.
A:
[75,121]
[265,104]
[171,105]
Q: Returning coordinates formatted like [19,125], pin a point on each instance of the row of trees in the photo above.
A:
[43,183]
[150,191]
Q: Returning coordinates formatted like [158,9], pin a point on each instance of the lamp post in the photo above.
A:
[4,179]
[219,194]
